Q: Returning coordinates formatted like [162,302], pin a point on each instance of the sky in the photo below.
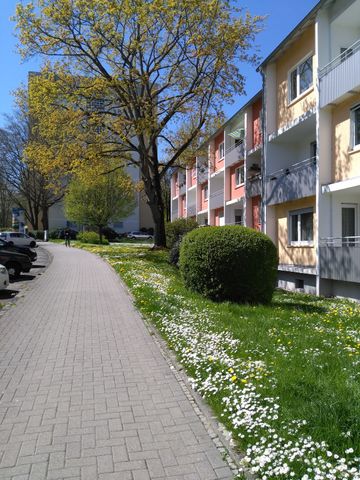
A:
[282,17]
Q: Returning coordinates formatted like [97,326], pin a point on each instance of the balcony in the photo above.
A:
[234,154]
[340,259]
[202,173]
[253,186]
[292,183]
[191,210]
[217,199]
[340,76]
[174,213]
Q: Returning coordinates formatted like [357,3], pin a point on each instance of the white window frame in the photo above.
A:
[298,213]
[221,147]
[240,167]
[355,207]
[354,144]
[297,68]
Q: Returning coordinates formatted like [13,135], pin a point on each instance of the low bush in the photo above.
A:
[178,228]
[91,237]
[174,253]
[229,263]
[109,233]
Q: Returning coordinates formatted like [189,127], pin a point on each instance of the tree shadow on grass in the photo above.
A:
[8,294]
[22,278]
[299,307]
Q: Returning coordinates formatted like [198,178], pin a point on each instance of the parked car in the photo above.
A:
[31,253]
[4,278]
[18,239]
[15,262]
[139,236]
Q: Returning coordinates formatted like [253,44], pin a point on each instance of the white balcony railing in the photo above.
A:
[234,154]
[292,183]
[217,199]
[253,185]
[191,210]
[341,75]
[340,258]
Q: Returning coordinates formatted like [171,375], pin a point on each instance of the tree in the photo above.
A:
[27,187]
[5,205]
[103,199]
[147,67]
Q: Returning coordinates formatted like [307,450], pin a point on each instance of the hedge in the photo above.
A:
[229,263]
[177,229]
[91,237]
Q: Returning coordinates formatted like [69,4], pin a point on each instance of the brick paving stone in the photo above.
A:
[86,391]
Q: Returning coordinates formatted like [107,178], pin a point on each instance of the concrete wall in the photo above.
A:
[345,159]
[293,255]
[299,50]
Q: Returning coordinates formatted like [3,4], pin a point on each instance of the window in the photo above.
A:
[301,227]
[301,78]
[355,114]
[239,175]
[206,192]
[239,217]
[313,150]
[345,53]
[348,223]
[221,150]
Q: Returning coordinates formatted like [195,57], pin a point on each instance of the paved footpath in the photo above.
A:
[85,392]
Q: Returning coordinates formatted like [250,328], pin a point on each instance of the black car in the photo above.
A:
[15,262]
[13,248]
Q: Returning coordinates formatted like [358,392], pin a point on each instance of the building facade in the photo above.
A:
[303,133]
[223,185]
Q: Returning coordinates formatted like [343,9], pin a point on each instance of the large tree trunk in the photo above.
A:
[45,218]
[153,190]
[100,227]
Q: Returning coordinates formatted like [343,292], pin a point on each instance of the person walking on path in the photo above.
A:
[67,238]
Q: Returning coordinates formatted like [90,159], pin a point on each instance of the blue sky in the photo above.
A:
[283,16]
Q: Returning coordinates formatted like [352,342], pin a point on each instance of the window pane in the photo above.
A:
[221,150]
[348,221]
[357,126]
[306,226]
[306,76]
[294,228]
[293,84]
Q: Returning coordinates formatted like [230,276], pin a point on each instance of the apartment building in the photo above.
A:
[307,150]
[312,151]
[223,183]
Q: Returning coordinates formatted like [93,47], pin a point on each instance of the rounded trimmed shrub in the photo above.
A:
[229,263]
[91,237]
[177,229]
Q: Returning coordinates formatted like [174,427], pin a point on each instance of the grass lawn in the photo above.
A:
[284,379]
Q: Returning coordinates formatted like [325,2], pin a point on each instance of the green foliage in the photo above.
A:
[178,228]
[100,200]
[91,237]
[174,253]
[229,263]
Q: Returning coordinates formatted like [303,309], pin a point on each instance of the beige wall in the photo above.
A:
[294,255]
[296,52]
[345,161]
